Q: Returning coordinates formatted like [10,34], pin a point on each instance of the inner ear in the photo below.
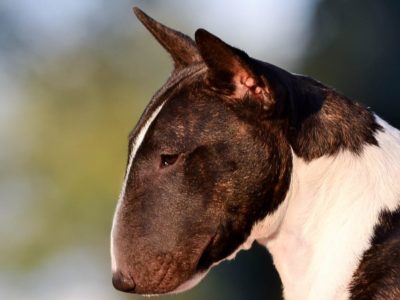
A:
[248,85]
[231,70]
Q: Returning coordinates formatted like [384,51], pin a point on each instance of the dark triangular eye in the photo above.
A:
[168,160]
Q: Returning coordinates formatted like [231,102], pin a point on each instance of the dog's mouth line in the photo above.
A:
[196,270]
[199,272]
[204,252]
[161,281]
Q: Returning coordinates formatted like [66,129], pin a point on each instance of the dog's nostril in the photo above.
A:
[123,283]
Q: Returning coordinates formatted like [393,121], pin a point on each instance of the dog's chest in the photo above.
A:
[323,249]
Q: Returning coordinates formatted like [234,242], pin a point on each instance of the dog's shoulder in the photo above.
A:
[378,275]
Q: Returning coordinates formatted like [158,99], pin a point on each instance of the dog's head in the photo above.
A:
[207,160]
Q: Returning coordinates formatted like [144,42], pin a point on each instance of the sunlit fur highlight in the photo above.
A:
[135,147]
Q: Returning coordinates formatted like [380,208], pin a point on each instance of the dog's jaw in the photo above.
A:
[192,282]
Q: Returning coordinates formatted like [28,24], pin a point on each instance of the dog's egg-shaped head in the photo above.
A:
[207,160]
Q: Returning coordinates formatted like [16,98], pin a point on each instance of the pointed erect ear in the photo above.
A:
[181,47]
[231,70]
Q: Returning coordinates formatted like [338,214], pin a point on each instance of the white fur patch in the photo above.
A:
[327,219]
[135,147]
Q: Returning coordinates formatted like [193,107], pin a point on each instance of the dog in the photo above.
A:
[233,150]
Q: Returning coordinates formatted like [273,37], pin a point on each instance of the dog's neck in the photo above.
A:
[319,233]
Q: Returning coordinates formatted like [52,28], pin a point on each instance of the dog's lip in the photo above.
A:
[205,251]
[199,274]
[191,281]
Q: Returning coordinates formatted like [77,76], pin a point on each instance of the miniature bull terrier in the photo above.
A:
[233,150]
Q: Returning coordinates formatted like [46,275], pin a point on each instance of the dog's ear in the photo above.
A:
[231,71]
[181,47]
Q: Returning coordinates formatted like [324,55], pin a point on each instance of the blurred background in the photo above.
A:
[76,75]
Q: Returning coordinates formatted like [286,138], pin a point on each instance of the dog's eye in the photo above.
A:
[168,160]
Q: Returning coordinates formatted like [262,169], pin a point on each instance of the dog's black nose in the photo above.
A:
[123,283]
